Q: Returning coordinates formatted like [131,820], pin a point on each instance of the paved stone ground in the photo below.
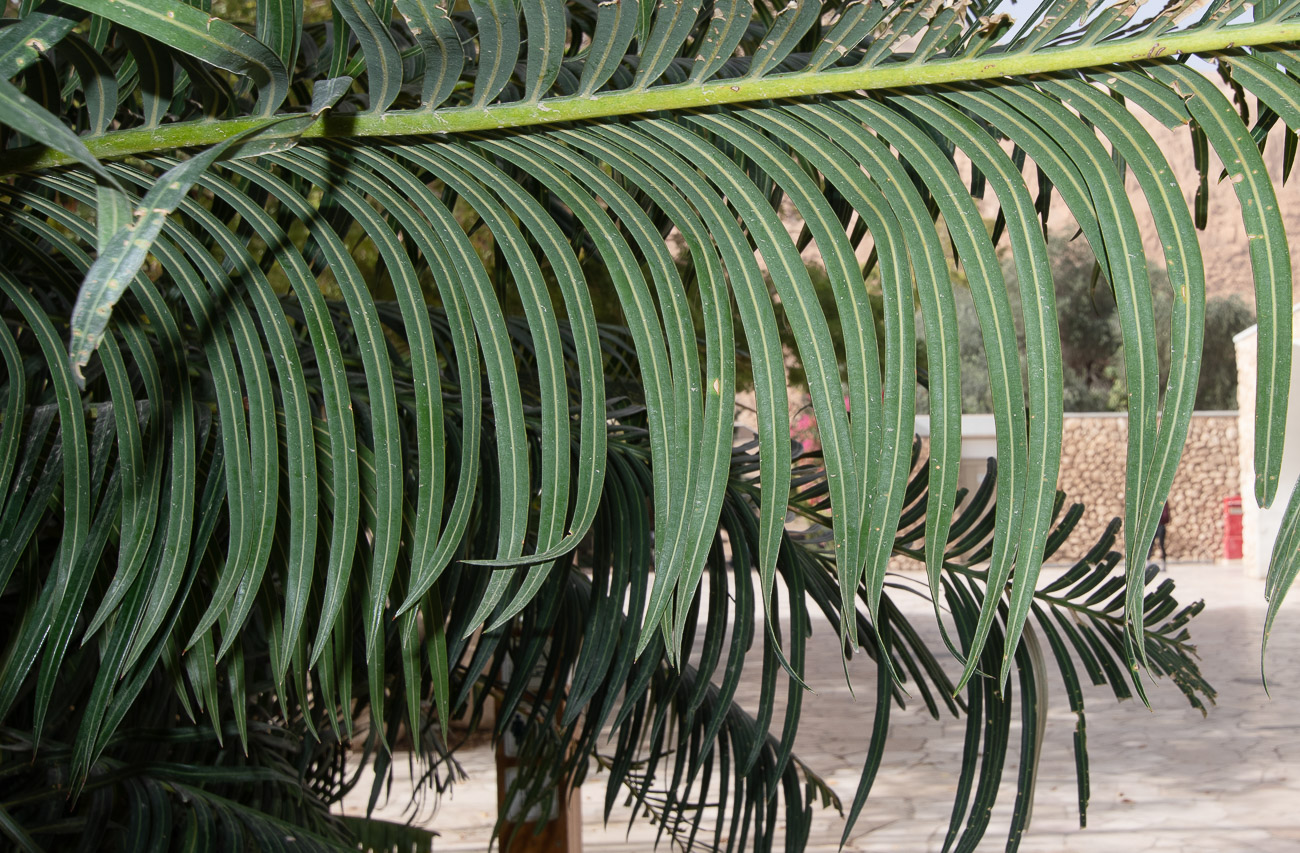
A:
[1162,780]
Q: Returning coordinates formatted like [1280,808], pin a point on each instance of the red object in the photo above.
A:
[1232,528]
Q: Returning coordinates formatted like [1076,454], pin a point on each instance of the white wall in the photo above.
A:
[1259,526]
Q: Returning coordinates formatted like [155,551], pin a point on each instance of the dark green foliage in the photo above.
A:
[692,705]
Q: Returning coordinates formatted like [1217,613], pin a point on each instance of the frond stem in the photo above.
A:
[683,96]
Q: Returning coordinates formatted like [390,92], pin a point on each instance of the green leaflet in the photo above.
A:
[879,731]
[125,253]
[1033,729]
[503,382]
[1270,258]
[578,305]
[876,437]
[715,427]
[1283,566]
[720,365]
[811,334]
[1047,21]
[22,42]
[383,63]
[15,403]
[1272,88]
[428,440]
[385,489]
[1075,164]
[27,641]
[1131,287]
[725,30]
[155,81]
[1043,351]
[545,25]
[683,421]
[247,447]
[760,332]
[216,42]
[672,26]
[498,45]
[139,487]
[299,452]
[181,416]
[95,77]
[997,328]
[616,22]
[428,570]
[341,465]
[179,515]
[279,27]
[15,832]
[791,23]
[856,22]
[444,57]
[112,214]
[20,515]
[554,409]
[1187,277]
[901,21]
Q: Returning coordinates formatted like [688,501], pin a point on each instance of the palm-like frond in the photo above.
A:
[575,642]
[270,468]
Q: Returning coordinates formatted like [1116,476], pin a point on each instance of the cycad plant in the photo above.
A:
[364,363]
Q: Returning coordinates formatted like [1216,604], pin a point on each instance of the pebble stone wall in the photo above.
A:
[1094,447]
[1092,472]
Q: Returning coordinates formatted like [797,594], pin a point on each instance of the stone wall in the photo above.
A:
[1092,473]
[1093,453]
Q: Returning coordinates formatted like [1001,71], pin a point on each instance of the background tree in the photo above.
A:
[1224,318]
[1092,341]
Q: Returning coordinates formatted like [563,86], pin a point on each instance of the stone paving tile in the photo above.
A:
[1162,780]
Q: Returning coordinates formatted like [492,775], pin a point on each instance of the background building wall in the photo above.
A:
[1246,371]
[1260,526]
